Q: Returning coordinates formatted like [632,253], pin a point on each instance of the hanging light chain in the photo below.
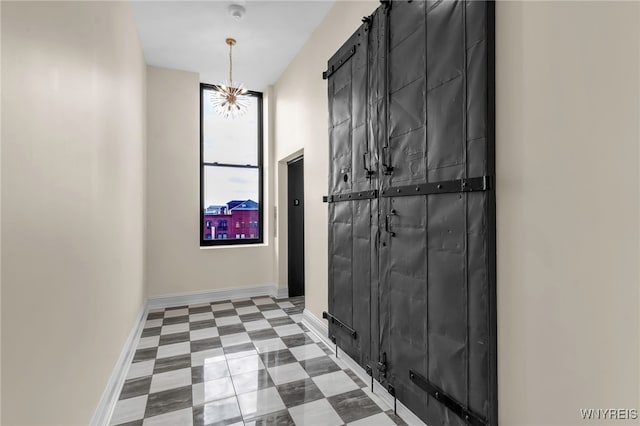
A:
[230,63]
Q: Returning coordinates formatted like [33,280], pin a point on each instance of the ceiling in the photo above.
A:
[190,36]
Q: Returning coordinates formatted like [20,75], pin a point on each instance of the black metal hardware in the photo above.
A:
[382,365]
[392,392]
[483,183]
[343,60]
[369,371]
[368,172]
[386,225]
[387,168]
[463,412]
[340,324]
[368,20]
[352,196]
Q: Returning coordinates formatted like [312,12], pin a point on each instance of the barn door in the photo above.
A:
[425,290]
[352,201]
[436,255]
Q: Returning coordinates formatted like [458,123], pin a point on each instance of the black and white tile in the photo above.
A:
[241,362]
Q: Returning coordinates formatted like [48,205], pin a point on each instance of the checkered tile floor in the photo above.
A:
[241,362]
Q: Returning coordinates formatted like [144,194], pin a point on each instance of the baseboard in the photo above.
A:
[193,298]
[320,329]
[281,292]
[102,415]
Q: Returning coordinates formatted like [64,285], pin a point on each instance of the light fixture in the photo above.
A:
[236,10]
[230,99]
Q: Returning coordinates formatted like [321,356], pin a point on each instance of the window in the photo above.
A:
[230,173]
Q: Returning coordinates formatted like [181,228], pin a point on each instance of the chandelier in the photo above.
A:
[230,100]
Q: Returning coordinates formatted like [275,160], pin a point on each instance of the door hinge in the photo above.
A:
[475,184]
[462,410]
[332,319]
[335,66]
[351,196]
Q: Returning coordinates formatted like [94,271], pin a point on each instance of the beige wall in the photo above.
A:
[73,142]
[175,261]
[567,177]
[568,85]
[301,122]
[0,214]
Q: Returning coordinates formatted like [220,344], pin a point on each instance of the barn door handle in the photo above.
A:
[386,224]
[368,172]
[386,161]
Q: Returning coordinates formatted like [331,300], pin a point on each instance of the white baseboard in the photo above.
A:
[107,403]
[193,298]
[319,328]
[104,411]
[281,292]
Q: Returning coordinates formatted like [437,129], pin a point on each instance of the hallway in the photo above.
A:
[113,197]
[245,361]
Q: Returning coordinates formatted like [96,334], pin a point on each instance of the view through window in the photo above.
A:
[230,173]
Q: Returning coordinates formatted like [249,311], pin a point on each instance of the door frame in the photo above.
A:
[289,163]
[281,231]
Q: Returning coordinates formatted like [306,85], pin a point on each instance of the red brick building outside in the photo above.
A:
[238,219]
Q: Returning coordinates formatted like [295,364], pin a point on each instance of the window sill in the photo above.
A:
[234,246]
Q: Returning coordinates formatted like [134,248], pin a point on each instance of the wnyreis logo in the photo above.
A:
[609,413]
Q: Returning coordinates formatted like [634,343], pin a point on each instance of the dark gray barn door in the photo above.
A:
[418,309]
[350,220]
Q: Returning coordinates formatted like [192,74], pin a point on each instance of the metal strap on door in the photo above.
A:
[483,183]
[455,406]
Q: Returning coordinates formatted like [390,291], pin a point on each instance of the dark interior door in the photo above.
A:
[435,266]
[352,262]
[295,212]
[411,144]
